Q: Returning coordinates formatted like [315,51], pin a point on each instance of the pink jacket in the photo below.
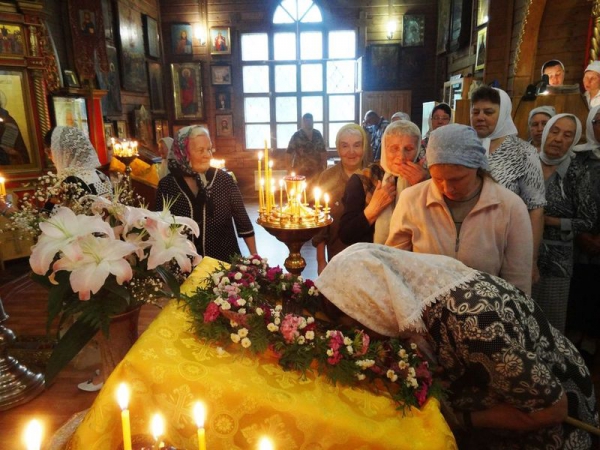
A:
[495,237]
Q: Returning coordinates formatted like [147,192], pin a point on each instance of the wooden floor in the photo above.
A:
[27,310]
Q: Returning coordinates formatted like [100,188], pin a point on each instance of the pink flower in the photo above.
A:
[273,272]
[422,371]
[211,313]
[289,327]
[365,343]
[421,394]
[336,340]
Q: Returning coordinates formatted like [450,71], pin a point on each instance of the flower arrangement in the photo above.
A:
[104,261]
[247,305]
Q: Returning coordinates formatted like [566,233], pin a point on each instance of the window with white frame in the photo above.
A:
[301,66]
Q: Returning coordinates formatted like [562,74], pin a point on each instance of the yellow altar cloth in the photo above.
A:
[140,171]
[246,398]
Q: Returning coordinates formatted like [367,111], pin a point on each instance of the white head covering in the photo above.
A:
[568,154]
[400,116]
[456,144]
[548,110]
[387,289]
[400,127]
[169,143]
[591,142]
[594,66]
[552,61]
[72,152]
[505,125]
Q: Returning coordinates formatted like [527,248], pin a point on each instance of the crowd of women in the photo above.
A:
[485,244]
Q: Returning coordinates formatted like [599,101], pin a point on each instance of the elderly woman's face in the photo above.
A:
[351,150]
[454,181]
[399,149]
[560,138]
[163,150]
[591,82]
[200,153]
[536,128]
[484,117]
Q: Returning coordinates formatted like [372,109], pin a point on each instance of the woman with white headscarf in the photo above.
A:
[584,297]
[511,377]
[513,162]
[369,197]
[537,120]
[208,195]
[164,148]
[76,160]
[570,210]
[463,213]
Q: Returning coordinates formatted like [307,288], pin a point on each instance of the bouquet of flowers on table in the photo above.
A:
[104,259]
[246,305]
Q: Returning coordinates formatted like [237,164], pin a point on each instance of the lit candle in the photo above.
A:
[317,194]
[2,186]
[265,444]
[267,182]
[199,415]
[158,428]
[123,399]
[326,198]
[32,436]
[260,157]
[271,186]
[281,195]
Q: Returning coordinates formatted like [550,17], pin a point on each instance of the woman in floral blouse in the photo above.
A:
[570,210]
[512,378]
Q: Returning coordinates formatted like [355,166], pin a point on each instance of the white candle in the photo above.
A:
[326,198]
[317,194]
[304,191]
[123,399]
[281,195]
[261,191]
[32,436]
[199,416]
[2,186]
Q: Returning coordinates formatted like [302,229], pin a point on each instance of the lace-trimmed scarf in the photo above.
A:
[74,155]
[180,165]
[505,125]
[389,288]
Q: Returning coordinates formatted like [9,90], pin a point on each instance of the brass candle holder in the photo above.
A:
[126,152]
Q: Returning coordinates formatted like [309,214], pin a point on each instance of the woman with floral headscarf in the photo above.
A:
[209,196]
[570,210]
[76,160]
[511,377]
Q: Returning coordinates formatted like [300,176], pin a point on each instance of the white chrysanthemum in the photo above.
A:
[242,332]
[329,352]
[402,365]
[238,276]
[241,302]
[347,341]
[235,337]
[310,335]
[301,340]
[360,376]
[391,375]
[272,327]
[246,342]
[259,312]
[350,349]
[310,320]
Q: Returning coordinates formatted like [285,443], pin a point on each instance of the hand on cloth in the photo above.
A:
[412,172]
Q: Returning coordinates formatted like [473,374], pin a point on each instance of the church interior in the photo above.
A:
[247,70]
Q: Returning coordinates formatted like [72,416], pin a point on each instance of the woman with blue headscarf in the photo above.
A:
[570,210]
[207,195]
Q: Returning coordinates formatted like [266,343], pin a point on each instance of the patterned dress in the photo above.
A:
[306,153]
[516,166]
[494,346]
[216,208]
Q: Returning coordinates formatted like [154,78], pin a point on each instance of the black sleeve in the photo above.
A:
[354,226]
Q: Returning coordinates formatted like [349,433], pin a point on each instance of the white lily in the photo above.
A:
[167,243]
[60,232]
[92,261]
[168,218]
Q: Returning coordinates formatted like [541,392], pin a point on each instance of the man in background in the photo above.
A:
[375,126]
[307,151]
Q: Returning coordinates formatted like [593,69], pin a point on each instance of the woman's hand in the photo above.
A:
[412,172]
[383,196]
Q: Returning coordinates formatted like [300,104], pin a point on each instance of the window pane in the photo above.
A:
[311,77]
[341,107]
[255,47]
[257,109]
[311,45]
[255,136]
[256,79]
[340,76]
[285,78]
[313,105]
[286,109]
[285,46]
[282,16]
[284,134]
[342,44]
[333,131]
[313,15]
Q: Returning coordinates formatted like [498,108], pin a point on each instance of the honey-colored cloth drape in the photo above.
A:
[246,398]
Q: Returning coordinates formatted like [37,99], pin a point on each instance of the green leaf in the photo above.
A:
[76,337]
[57,297]
[169,279]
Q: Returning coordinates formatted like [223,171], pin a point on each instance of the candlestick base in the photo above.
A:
[18,384]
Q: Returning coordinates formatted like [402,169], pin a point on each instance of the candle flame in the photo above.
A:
[281,183]
[260,156]
[317,193]
[157,426]
[271,164]
[265,444]
[2,179]
[326,197]
[32,436]
[199,414]
[123,396]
